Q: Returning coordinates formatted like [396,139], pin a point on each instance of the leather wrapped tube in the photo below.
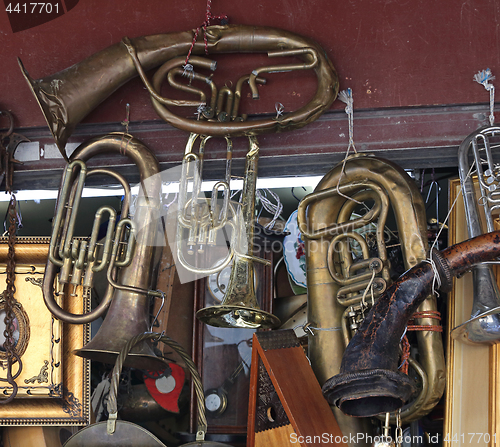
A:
[369,382]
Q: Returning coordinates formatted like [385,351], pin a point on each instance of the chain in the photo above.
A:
[10,302]
[399,429]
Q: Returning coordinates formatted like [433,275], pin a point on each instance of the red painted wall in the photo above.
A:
[391,53]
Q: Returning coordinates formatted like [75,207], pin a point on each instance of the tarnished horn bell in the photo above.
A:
[128,293]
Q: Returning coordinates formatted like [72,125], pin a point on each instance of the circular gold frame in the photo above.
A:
[24,327]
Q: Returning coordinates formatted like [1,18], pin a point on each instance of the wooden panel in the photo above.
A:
[392,54]
[277,437]
[296,387]
[472,395]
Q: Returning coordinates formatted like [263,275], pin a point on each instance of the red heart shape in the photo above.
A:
[166,390]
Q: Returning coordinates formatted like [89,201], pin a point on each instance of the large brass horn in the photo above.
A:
[128,296]
[326,211]
[484,323]
[68,96]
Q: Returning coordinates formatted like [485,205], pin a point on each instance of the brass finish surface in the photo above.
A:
[68,96]
[128,312]
[239,307]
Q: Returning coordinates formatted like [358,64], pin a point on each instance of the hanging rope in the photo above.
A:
[273,208]
[346,97]
[484,77]
[208,21]
[436,282]
[126,123]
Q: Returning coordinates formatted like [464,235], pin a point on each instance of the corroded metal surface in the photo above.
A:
[68,96]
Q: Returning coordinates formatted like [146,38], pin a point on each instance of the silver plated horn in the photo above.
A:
[484,323]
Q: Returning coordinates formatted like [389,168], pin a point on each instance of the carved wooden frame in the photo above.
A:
[68,401]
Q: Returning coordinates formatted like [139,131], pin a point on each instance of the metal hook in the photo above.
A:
[11,379]
[11,125]
[159,310]
[18,215]
[293,194]
[438,191]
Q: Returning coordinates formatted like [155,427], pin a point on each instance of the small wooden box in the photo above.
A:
[286,404]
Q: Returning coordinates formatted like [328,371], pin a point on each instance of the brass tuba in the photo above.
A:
[68,96]
[484,323]
[129,276]
[329,211]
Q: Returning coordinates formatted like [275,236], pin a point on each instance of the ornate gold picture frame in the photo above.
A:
[54,385]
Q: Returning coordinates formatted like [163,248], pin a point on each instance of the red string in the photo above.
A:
[405,355]
[208,21]
[434,314]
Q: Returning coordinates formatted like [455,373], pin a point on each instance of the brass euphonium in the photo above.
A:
[484,323]
[328,216]
[130,275]
[68,96]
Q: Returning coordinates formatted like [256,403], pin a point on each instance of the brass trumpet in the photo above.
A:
[328,214]
[484,323]
[239,307]
[130,276]
[68,96]
[202,219]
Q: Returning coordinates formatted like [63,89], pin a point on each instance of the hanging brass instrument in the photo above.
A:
[68,96]
[484,323]
[328,212]
[200,220]
[127,299]
[239,308]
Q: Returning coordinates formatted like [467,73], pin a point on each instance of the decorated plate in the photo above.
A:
[294,253]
